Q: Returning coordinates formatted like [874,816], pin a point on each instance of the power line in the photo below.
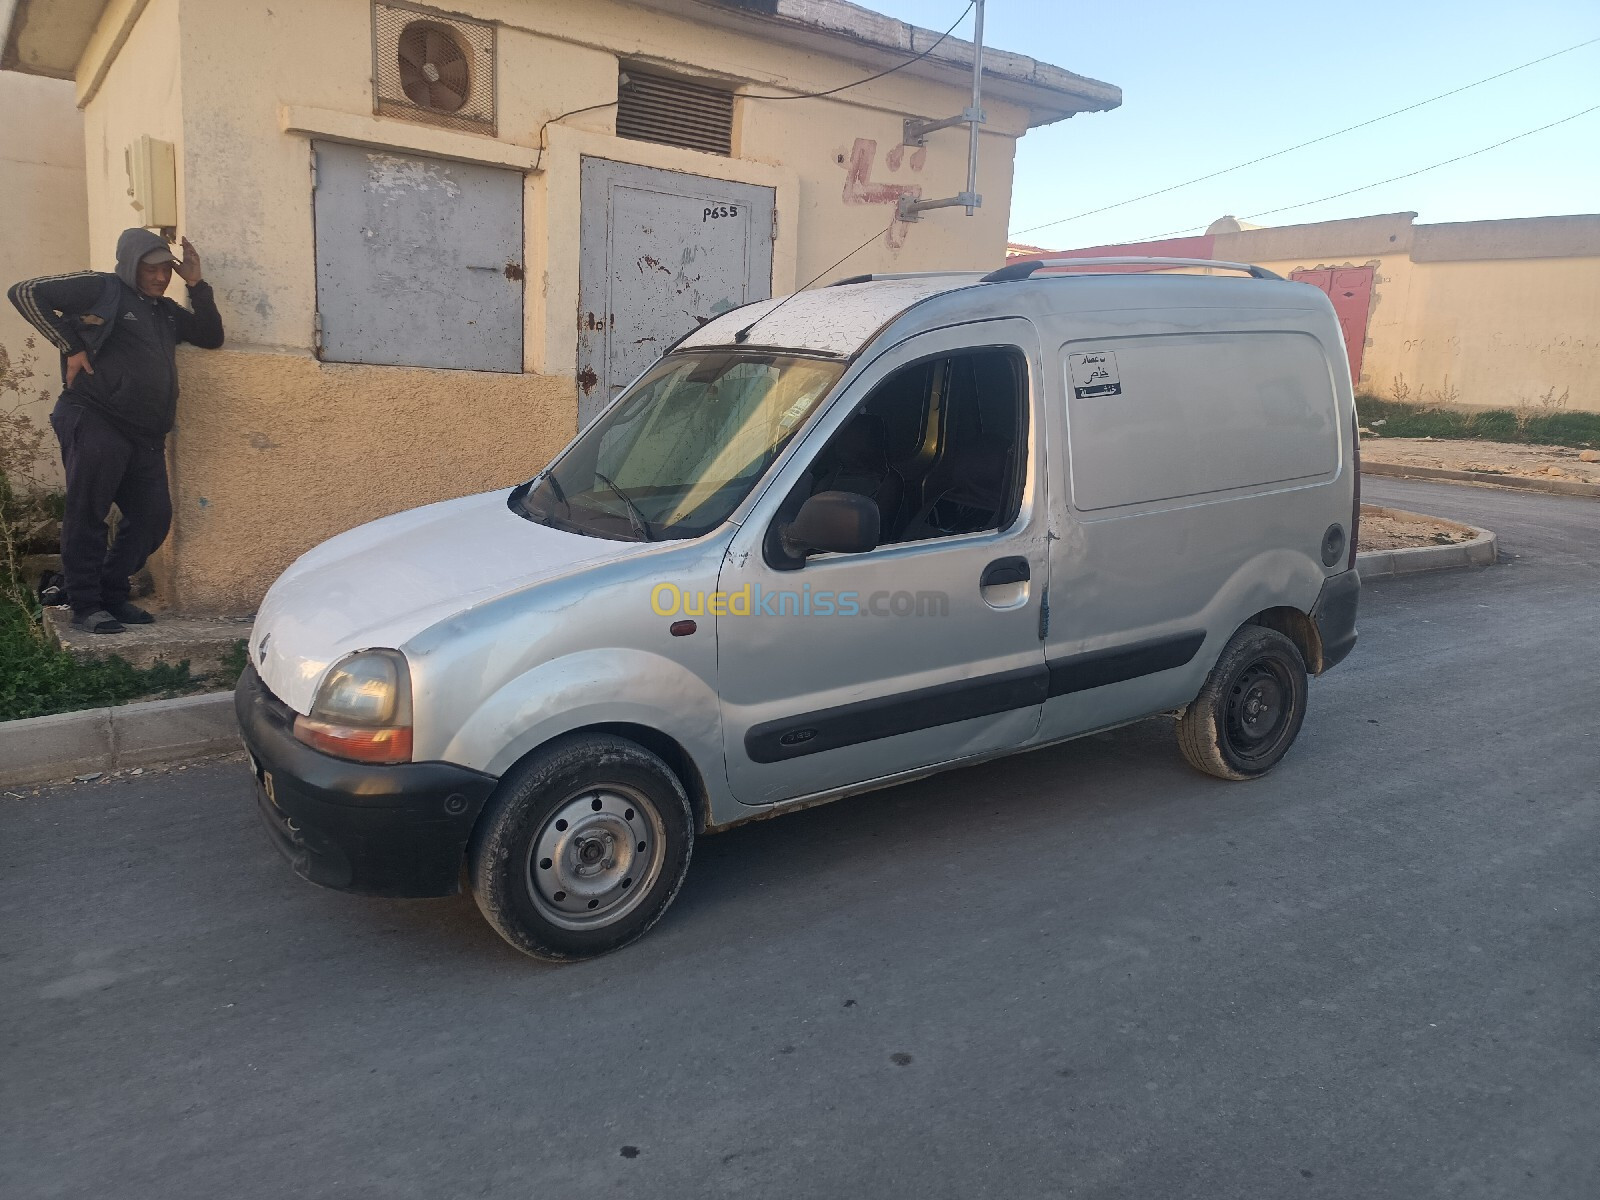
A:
[846,87]
[1516,137]
[1301,146]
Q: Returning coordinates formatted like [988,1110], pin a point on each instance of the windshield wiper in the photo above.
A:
[635,517]
[555,486]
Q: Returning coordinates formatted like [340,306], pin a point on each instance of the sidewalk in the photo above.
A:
[1559,469]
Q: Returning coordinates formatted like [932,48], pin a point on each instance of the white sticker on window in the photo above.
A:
[1095,375]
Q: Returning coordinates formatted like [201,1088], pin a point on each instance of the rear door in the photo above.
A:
[1199,466]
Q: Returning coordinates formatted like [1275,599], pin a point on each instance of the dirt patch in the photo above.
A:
[1392,529]
[1491,458]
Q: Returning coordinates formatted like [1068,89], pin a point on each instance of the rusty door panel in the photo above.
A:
[660,253]
[419,260]
[1350,289]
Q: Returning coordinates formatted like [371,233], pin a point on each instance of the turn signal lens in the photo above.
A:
[355,742]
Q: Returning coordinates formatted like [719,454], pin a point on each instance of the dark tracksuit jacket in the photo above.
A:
[112,424]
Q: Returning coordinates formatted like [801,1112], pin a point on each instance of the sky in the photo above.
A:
[1208,86]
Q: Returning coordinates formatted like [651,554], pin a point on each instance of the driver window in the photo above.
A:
[940,446]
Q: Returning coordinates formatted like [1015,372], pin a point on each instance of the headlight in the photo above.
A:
[363,709]
[369,688]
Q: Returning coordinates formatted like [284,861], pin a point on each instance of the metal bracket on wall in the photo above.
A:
[915,131]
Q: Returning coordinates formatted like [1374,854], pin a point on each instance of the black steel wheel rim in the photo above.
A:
[1260,705]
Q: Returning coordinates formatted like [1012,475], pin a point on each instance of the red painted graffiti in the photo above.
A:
[860,188]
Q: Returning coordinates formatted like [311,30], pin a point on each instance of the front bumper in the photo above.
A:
[1335,616]
[398,830]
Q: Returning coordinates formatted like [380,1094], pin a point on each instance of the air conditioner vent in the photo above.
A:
[433,67]
[656,108]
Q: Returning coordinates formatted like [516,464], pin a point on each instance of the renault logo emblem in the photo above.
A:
[261,650]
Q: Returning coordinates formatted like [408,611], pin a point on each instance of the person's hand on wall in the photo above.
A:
[189,269]
[77,362]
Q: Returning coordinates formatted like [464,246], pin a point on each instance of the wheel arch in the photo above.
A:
[1299,628]
[663,745]
[670,751]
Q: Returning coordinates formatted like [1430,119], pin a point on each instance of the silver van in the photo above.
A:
[825,544]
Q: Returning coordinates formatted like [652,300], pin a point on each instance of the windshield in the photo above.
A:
[682,447]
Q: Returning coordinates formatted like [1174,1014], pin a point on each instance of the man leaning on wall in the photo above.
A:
[118,336]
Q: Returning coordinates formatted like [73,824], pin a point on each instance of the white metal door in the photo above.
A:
[661,253]
[419,260]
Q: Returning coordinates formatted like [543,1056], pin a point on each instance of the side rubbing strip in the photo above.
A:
[907,712]
[1080,672]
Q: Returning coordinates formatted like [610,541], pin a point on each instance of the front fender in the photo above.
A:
[588,688]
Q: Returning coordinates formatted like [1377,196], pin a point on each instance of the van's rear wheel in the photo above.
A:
[1250,710]
[582,848]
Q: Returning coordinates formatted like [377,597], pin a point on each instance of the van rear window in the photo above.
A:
[1170,416]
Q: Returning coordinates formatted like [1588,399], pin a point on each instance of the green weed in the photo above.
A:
[37,677]
[1551,426]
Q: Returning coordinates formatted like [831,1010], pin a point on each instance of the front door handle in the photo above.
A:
[1006,570]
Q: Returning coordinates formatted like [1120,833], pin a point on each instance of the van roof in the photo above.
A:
[840,319]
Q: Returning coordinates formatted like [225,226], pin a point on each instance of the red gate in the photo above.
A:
[1350,289]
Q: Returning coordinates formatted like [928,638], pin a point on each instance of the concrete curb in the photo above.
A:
[42,749]
[1482,550]
[1555,487]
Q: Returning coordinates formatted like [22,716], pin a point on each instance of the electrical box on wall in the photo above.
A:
[153,182]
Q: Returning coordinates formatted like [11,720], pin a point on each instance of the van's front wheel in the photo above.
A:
[1250,710]
[582,848]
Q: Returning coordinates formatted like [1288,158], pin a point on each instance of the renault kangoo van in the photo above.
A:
[826,544]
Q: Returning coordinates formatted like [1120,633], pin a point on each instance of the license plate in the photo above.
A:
[266,786]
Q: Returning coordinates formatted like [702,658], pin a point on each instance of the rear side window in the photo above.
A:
[1166,417]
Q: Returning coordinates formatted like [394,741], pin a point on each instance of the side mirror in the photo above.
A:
[833,522]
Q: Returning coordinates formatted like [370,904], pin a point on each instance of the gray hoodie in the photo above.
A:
[133,245]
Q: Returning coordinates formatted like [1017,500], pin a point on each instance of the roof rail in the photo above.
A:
[901,275]
[1022,270]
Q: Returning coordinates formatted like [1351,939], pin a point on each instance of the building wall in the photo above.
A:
[274,451]
[1505,332]
[42,194]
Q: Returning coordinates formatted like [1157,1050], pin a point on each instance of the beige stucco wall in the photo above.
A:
[280,452]
[1509,328]
[141,94]
[1506,332]
[275,451]
[42,194]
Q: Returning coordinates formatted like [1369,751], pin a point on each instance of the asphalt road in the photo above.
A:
[1083,972]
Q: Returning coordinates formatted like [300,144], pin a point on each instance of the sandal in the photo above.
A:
[99,621]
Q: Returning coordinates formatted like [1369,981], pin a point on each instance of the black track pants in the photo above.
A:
[103,467]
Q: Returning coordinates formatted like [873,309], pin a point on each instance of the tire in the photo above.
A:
[582,848]
[1250,710]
